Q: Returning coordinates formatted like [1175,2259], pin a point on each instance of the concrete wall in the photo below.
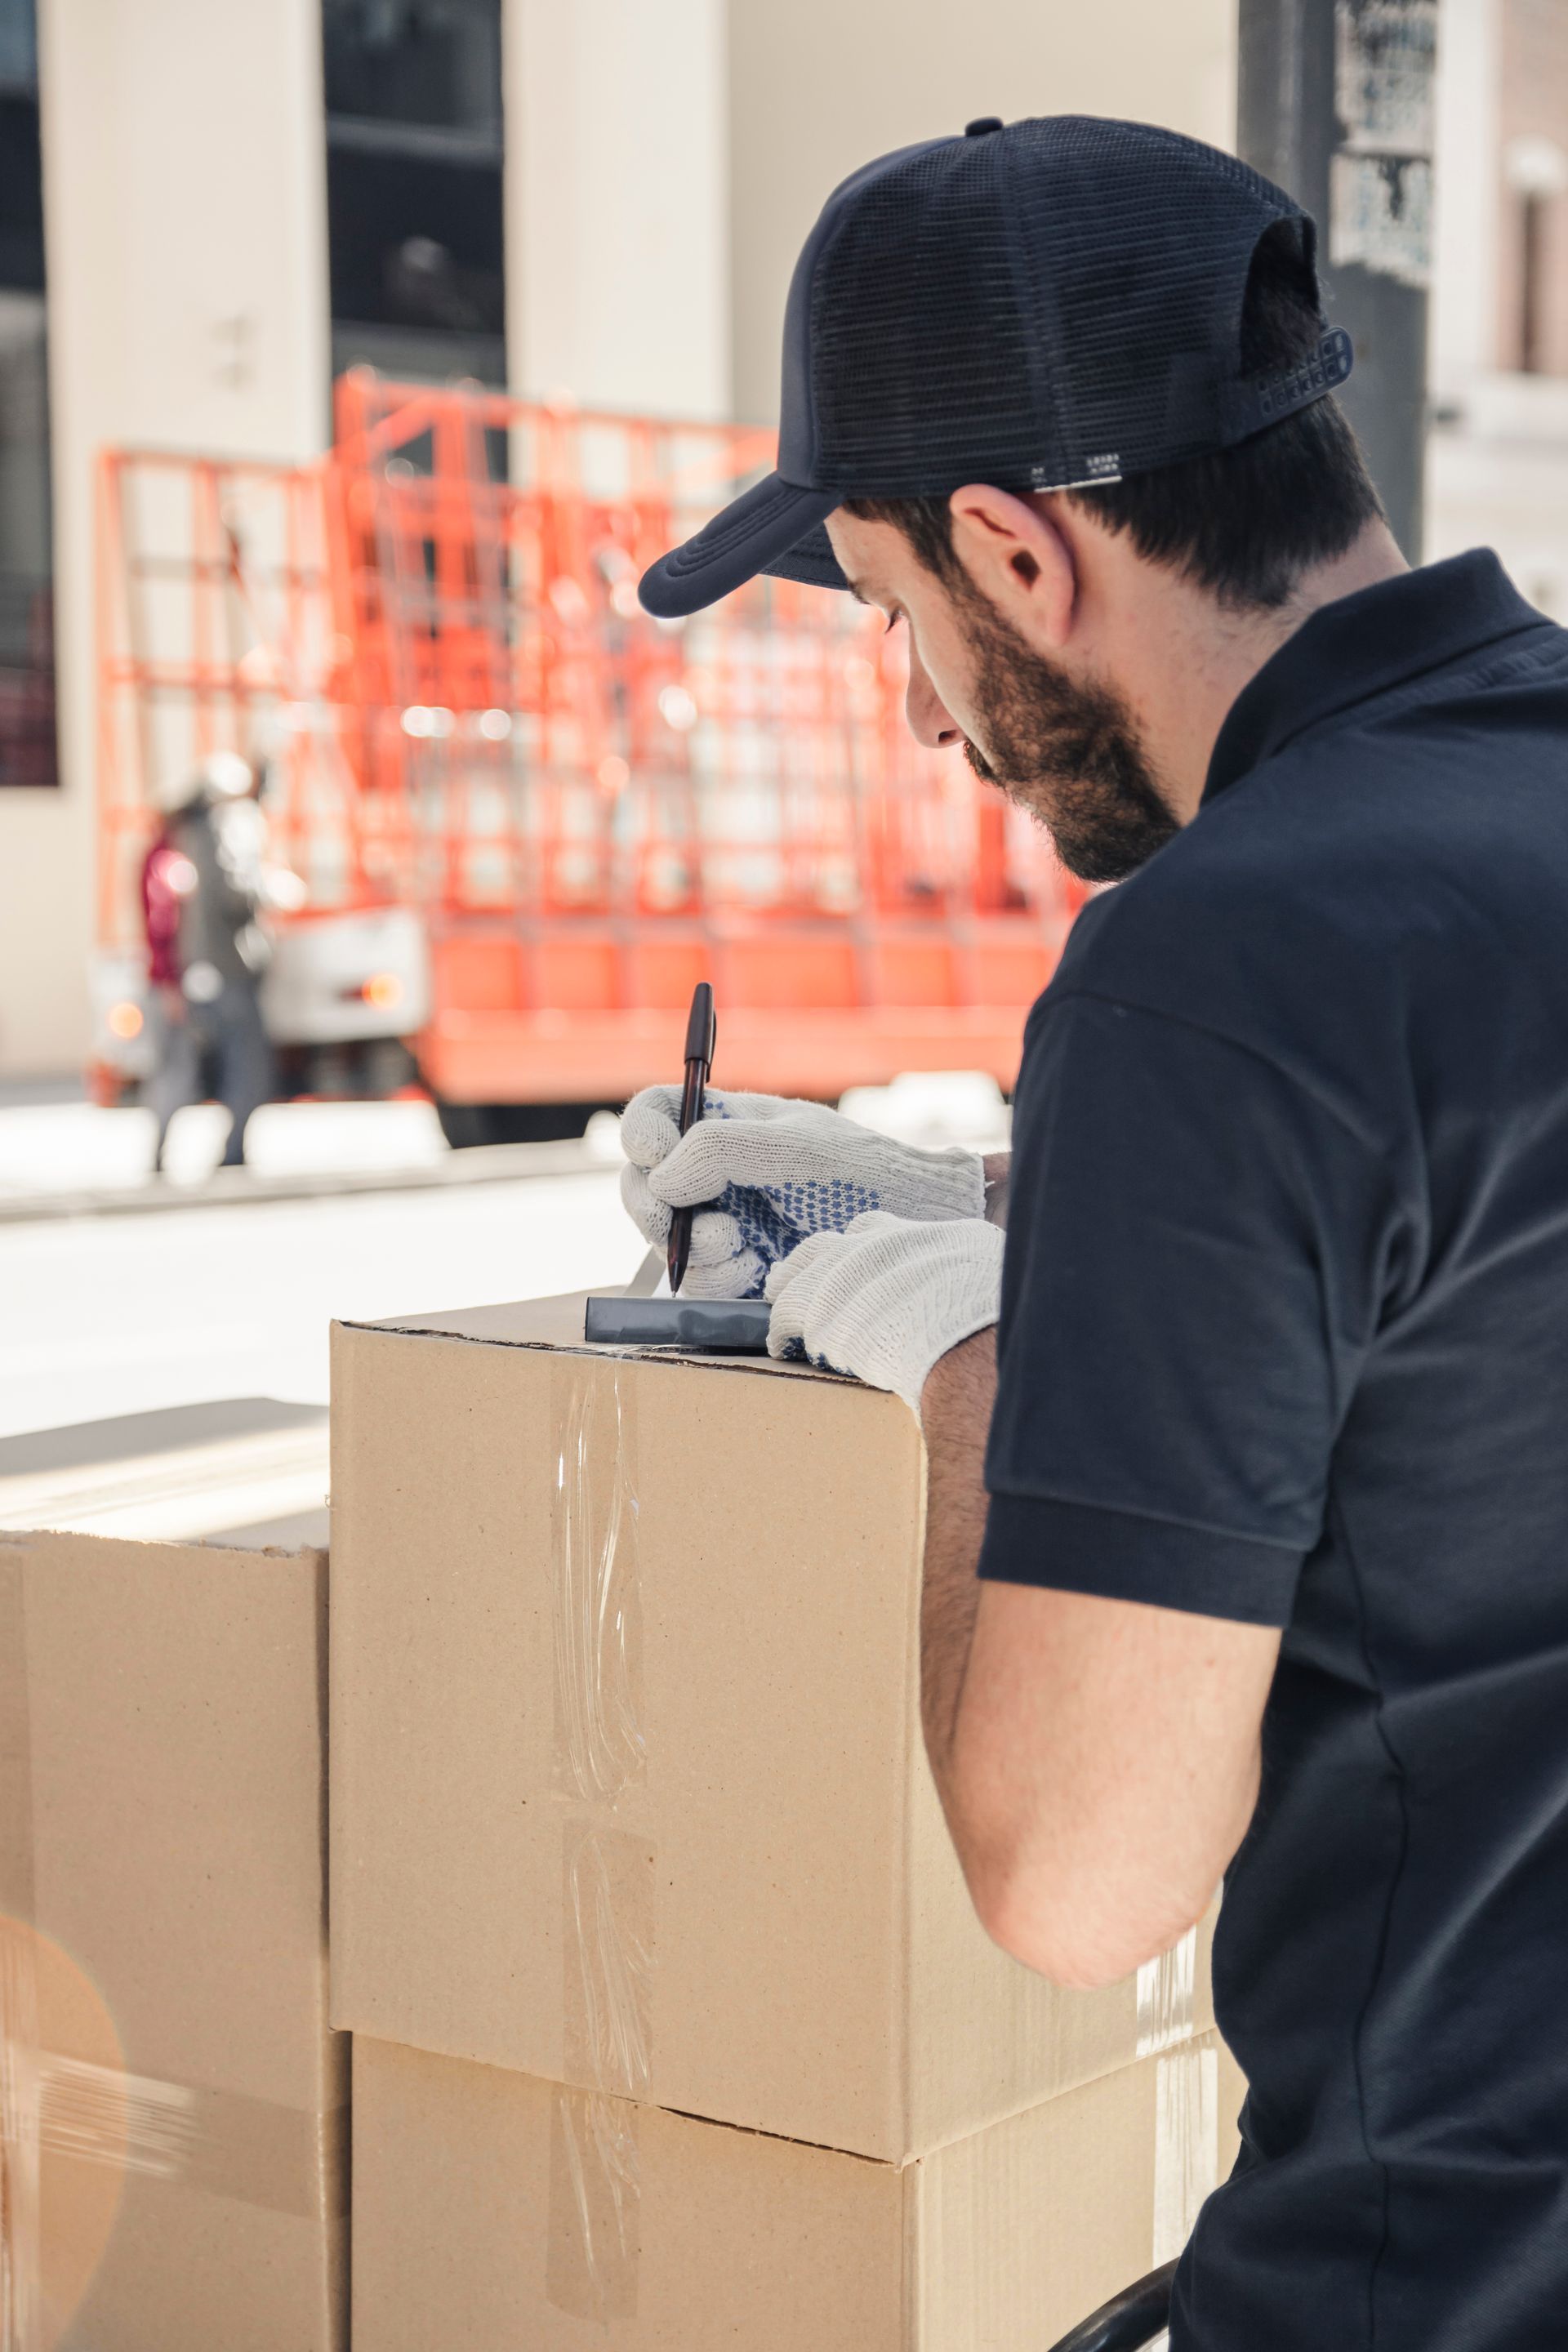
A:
[184,224]
[1532,109]
[1497,461]
[1468,185]
[617,213]
[664,163]
[819,86]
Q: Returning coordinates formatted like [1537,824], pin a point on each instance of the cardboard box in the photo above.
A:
[172,2105]
[628,1787]
[493,2208]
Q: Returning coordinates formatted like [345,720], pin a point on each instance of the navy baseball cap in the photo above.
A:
[1042,305]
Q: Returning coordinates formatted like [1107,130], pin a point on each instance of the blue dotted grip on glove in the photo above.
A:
[772,1218]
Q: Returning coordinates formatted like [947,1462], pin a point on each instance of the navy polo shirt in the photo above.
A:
[1284,1338]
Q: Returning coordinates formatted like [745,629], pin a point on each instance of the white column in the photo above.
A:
[617,203]
[185,245]
[1466,187]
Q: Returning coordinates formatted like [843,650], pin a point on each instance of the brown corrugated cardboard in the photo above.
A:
[629,1789]
[493,2209]
[173,2155]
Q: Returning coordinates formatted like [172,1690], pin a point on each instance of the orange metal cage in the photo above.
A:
[213,633]
[589,809]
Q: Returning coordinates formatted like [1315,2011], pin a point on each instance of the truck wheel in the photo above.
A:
[463,1124]
[468,1125]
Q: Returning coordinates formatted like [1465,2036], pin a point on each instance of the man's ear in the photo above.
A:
[1017,559]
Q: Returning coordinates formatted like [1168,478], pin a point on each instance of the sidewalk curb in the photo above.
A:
[231,1188]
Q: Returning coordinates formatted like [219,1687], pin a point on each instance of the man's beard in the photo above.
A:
[1070,754]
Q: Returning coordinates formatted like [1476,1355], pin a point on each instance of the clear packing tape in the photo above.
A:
[1187,2145]
[600,1759]
[21,2283]
[600,1748]
[75,2127]
[1187,2096]
[1167,1997]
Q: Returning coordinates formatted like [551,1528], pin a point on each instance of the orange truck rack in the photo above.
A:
[587,809]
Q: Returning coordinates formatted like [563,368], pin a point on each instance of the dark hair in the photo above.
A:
[1245,521]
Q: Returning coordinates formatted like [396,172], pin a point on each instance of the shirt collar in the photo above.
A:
[1347,652]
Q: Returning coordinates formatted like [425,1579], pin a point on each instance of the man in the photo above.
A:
[1275,1556]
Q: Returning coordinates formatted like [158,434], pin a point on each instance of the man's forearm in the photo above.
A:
[955,1414]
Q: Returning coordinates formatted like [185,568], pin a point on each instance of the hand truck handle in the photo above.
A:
[1130,2322]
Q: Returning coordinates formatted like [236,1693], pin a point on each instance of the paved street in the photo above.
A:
[117,1313]
[113,1306]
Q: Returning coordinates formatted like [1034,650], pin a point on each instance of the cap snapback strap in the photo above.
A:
[1262,400]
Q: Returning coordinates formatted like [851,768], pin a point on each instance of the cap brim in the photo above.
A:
[810,560]
[774,528]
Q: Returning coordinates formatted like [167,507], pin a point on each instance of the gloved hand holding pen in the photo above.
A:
[765,1172]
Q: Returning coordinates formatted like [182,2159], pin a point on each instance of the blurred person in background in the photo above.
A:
[208,887]
[168,879]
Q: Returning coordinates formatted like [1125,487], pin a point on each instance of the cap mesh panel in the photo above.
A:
[922,349]
[1056,302]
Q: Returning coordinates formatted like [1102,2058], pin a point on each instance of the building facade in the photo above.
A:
[604,198]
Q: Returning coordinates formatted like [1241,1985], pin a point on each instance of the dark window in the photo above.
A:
[28,754]
[431,63]
[414,185]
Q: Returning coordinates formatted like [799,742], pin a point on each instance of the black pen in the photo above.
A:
[701,1036]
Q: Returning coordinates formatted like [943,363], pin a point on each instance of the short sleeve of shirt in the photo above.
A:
[1197,1247]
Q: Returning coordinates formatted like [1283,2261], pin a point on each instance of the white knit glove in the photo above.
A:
[885,1298]
[765,1172]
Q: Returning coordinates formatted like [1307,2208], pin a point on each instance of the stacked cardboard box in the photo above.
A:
[491,2207]
[674,2024]
[172,2151]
